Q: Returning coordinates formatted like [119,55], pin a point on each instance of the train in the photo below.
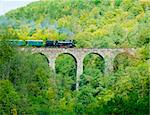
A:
[41,43]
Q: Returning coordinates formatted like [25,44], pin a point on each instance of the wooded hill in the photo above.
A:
[92,23]
[27,84]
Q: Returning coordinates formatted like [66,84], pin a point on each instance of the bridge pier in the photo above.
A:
[79,72]
[108,66]
[52,63]
[79,55]
[109,56]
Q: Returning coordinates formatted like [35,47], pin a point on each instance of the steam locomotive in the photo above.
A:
[41,43]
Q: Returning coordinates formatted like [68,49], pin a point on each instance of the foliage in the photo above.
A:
[28,86]
[8,98]
[31,86]
[83,21]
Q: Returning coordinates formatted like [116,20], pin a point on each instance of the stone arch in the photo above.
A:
[70,54]
[39,53]
[98,54]
[69,73]
[124,56]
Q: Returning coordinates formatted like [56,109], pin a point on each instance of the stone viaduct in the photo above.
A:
[79,54]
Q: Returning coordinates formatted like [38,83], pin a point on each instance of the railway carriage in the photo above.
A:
[17,42]
[41,43]
[36,43]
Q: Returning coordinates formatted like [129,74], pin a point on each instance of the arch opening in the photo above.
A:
[66,67]
[43,56]
[93,68]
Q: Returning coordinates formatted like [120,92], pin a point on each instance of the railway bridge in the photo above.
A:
[79,54]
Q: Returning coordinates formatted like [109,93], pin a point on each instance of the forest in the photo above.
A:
[29,86]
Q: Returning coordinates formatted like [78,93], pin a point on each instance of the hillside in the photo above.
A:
[92,23]
[28,86]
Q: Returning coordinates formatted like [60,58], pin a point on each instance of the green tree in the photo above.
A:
[9,98]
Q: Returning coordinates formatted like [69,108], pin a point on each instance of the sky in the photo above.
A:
[7,5]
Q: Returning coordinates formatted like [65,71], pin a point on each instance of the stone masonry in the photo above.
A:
[79,54]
